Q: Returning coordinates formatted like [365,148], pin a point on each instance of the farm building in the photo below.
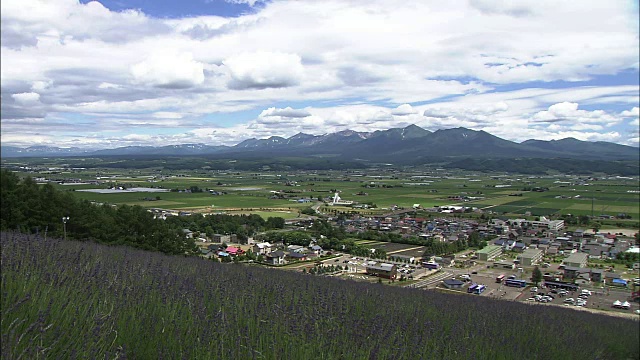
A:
[387,271]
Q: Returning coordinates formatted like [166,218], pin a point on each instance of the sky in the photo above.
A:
[115,73]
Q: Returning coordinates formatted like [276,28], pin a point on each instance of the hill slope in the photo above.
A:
[80,299]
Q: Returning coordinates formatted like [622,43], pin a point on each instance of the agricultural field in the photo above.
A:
[68,299]
[511,195]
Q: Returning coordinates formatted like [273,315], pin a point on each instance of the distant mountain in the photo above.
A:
[175,150]
[586,149]
[408,145]
[39,151]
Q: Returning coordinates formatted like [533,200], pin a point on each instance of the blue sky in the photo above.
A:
[180,9]
[147,72]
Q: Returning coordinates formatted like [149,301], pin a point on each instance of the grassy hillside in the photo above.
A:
[84,300]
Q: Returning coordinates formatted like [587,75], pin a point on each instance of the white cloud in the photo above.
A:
[364,65]
[26,98]
[261,69]
[633,113]
[568,112]
[286,112]
[169,70]
[167,115]
[40,85]
[404,109]
[107,85]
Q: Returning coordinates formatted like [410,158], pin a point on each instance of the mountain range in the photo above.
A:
[411,144]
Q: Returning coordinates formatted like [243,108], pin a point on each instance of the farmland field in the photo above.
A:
[384,188]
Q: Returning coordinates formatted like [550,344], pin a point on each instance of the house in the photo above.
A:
[316,249]
[596,275]
[276,257]
[187,233]
[453,284]
[297,256]
[295,248]
[262,248]
[502,242]
[234,250]
[519,247]
[596,250]
[219,238]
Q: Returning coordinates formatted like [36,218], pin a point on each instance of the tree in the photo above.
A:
[596,226]
[536,277]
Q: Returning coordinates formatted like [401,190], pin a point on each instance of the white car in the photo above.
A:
[534,289]
[569,301]
[586,292]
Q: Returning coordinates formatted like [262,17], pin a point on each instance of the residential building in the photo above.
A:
[531,256]
[489,252]
[276,257]
[297,256]
[576,259]
[262,248]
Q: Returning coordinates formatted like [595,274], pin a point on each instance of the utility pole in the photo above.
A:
[64,226]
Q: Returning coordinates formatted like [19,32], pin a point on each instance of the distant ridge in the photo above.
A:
[396,145]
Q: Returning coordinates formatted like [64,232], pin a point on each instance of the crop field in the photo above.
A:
[385,188]
[393,248]
[67,299]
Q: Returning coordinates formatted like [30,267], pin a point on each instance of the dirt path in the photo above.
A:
[402,250]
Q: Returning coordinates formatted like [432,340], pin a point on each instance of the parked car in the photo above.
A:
[534,289]
[569,300]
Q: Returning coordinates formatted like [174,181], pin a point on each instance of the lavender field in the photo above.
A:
[79,300]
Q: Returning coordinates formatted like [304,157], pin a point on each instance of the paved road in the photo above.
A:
[431,280]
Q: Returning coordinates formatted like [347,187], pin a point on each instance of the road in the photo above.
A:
[434,279]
